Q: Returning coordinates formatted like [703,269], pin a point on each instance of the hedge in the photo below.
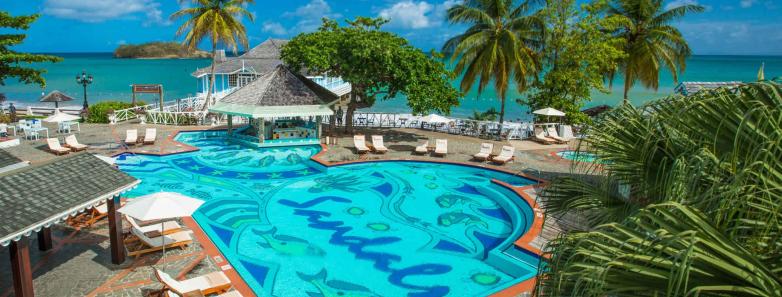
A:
[98,112]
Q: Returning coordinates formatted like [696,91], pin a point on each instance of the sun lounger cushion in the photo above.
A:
[159,241]
[73,143]
[423,148]
[54,146]
[552,133]
[156,227]
[226,294]
[377,143]
[150,135]
[131,136]
[201,283]
[441,147]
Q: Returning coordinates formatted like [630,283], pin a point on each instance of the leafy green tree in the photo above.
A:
[578,53]
[377,64]
[651,40]
[499,46]
[687,200]
[10,61]
[218,20]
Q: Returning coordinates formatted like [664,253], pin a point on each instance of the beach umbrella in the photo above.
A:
[59,117]
[436,119]
[548,111]
[161,206]
[56,97]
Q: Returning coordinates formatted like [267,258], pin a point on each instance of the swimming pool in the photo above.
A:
[292,227]
[578,156]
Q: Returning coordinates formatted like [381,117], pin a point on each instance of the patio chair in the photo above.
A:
[74,144]
[567,132]
[540,136]
[154,229]
[153,244]
[505,156]
[485,152]
[213,283]
[377,144]
[361,144]
[441,147]
[552,133]
[423,148]
[55,147]
[150,135]
[131,137]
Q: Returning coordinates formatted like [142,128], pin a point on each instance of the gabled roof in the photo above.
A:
[37,196]
[260,59]
[279,88]
[691,87]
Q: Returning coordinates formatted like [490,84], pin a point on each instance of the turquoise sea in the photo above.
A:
[113,77]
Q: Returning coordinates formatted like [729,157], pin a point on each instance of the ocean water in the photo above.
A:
[113,78]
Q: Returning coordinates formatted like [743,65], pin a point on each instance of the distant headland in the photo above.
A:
[158,50]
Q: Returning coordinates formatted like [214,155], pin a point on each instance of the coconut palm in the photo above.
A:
[218,20]
[651,41]
[687,200]
[498,46]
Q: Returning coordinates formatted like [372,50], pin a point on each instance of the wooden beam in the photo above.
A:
[115,232]
[21,269]
[45,239]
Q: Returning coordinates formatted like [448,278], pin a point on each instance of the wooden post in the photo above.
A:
[230,123]
[21,269]
[161,97]
[45,239]
[115,232]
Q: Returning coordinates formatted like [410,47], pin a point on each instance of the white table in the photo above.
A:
[39,129]
[65,127]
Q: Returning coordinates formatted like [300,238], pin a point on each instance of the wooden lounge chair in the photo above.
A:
[423,148]
[72,143]
[552,133]
[131,137]
[540,136]
[441,147]
[361,144]
[377,144]
[199,294]
[505,156]
[90,217]
[155,229]
[150,135]
[485,153]
[154,244]
[55,147]
[212,283]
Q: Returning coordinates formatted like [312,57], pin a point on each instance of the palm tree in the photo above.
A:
[651,41]
[499,45]
[703,213]
[218,20]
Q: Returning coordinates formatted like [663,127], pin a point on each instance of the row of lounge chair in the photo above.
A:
[71,144]
[550,135]
[506,155]
[132,138]
[440,149]
[377,145]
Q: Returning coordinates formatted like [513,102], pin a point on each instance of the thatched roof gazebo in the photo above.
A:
[56,97]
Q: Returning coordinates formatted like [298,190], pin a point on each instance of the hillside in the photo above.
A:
[157,50]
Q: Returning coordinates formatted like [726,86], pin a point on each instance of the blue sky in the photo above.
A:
[741,27]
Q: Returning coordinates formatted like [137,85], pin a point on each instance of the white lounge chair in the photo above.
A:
[552,133]
[505,156]
[199,294]
[150,136]
[55,147]
[153,244]
[74,144]
[423,148]
[441,147]
[540,136]
[361,144]
[567,132]
[131,137]
[213,283]
[377,144]
[155,229]
[486,149]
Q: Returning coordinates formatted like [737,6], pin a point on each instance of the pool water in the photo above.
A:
[579,156]
[292,227]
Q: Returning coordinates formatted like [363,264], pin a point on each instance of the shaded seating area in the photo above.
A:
[63,188]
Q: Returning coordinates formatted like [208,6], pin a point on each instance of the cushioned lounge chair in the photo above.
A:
[150,135]
[423,148]
[131,137]
[441,147]
[485,152]
[55,147]
[540,136]
[506,155]
[377,144]
[155,229]
[361,144]
[89,217]
[199,294]
[72,143]
[212,283]
[154,244]
[552,133]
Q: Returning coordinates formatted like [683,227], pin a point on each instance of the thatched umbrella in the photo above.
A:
[56,97]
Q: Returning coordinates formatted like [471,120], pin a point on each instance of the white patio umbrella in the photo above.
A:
[59,117]
[161,206]
[548,111]
[436,119]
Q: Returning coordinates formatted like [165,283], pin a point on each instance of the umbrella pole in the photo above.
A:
[164,239]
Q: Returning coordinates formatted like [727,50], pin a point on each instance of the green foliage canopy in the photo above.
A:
[10,60]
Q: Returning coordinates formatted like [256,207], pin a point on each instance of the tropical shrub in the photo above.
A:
[98,113]
[688,200]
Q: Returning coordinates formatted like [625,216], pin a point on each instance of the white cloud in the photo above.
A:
[746,3]
[95,11]
[416,15]
[733,37]
[310,15]
[273,28]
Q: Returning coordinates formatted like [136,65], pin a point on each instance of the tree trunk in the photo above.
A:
[628,85]
[349,113]
[502,116]
[207,102]
[332,124]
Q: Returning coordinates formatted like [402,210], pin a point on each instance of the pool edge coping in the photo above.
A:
[523,242]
